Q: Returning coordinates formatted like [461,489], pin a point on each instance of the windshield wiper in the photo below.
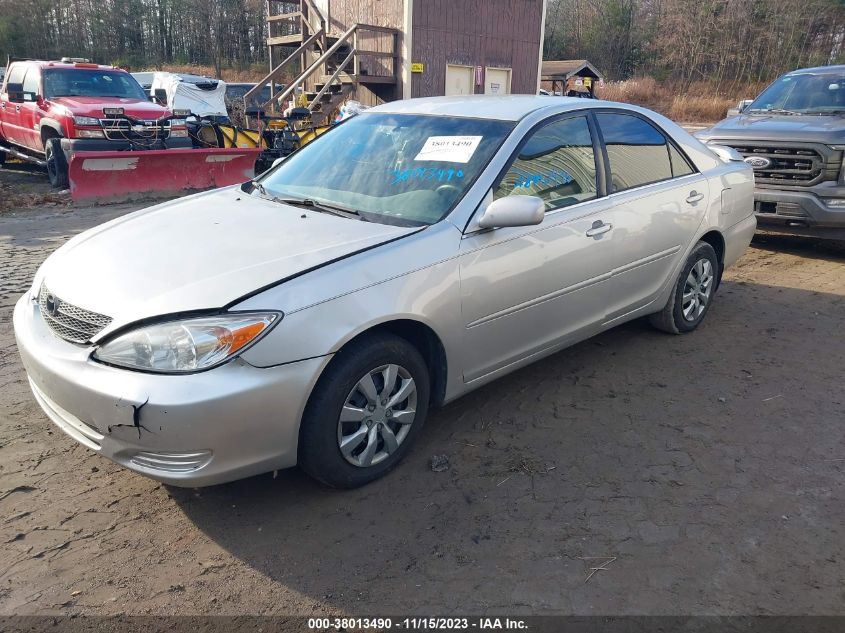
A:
[343,212]
[774,111]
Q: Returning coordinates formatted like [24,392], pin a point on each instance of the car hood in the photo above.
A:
[829,130]
[201,252]
[93,106]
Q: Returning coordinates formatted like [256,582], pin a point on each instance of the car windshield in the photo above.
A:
[803,93]
[61,82]
[390,168]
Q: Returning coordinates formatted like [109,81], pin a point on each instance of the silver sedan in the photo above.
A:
[415,252]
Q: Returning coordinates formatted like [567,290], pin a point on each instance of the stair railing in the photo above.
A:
[296,83]
[276,73]
[332,79]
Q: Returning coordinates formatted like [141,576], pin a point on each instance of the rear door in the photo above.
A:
[10,113]
[658,200]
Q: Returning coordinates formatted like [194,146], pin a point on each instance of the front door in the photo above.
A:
[526,289]
[11,117]
[459,80]
[29,114]
[497,81]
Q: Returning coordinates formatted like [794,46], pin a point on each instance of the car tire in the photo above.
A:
[2,158]
[340,414]
[692,294]
[56,163]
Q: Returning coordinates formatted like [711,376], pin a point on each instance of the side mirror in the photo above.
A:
[740,107]
[513,211]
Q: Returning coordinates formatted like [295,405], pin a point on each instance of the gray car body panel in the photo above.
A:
[496,299]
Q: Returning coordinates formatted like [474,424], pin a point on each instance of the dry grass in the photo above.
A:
[701,102]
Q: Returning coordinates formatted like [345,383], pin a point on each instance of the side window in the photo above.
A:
[680,165]
[16,75]
[638,152]
[557,163]
[31,82]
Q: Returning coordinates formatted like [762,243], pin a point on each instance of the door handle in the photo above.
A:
[599,228]
[694,197]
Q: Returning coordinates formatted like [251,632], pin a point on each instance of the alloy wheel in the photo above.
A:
[697,289]
[377,415]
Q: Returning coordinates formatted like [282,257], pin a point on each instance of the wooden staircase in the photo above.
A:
[332,66]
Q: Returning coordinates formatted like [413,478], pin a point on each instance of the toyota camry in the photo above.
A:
[415,252]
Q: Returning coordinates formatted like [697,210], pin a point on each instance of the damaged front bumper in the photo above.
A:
[189,430]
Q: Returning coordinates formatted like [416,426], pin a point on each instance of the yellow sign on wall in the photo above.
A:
[417,67]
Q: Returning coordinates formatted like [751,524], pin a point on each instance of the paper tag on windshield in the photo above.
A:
[450,149]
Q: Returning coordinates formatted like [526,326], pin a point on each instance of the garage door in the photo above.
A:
[459,80]
[497,81]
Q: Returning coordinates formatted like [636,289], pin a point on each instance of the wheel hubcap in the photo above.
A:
[377,415]
[697,289]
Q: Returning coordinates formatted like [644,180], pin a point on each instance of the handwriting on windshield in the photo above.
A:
[425,173]
[554,177]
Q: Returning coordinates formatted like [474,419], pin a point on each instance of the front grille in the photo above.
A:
[68,321]
[123,130]
[792,165]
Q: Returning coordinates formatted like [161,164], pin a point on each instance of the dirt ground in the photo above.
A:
[709,465]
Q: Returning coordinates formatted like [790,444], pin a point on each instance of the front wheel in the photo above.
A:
[365,412]
[56,163]
[693,292]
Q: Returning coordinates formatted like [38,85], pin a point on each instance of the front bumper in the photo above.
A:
[800,208]
[231,422]
[74,145]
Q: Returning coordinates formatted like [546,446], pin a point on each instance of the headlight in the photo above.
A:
[86,120]
[188,345]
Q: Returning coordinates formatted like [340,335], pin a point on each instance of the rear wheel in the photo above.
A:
[56,163]
[365,412]
[693,292]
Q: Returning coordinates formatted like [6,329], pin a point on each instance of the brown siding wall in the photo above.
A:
[387,13]
[500,33]
[345,13]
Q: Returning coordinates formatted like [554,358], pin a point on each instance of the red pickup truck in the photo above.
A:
[50,110]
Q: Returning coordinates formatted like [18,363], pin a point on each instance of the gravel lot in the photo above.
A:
[709,465]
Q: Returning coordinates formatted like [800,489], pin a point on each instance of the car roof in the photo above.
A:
[818,70]
[502,108]
[81,65]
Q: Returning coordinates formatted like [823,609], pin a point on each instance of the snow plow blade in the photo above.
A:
[123,175]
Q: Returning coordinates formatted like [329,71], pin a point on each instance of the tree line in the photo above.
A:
[726,42]
[721,41]
[136,33]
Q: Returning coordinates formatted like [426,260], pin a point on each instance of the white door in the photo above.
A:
[497,81]
[459,80]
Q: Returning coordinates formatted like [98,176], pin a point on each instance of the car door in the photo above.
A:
[30,110]
[526,289]
[10,113]
[658,200]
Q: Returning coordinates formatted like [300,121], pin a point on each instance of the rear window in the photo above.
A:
[66,82]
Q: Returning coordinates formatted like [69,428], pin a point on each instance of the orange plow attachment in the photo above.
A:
[112,175]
